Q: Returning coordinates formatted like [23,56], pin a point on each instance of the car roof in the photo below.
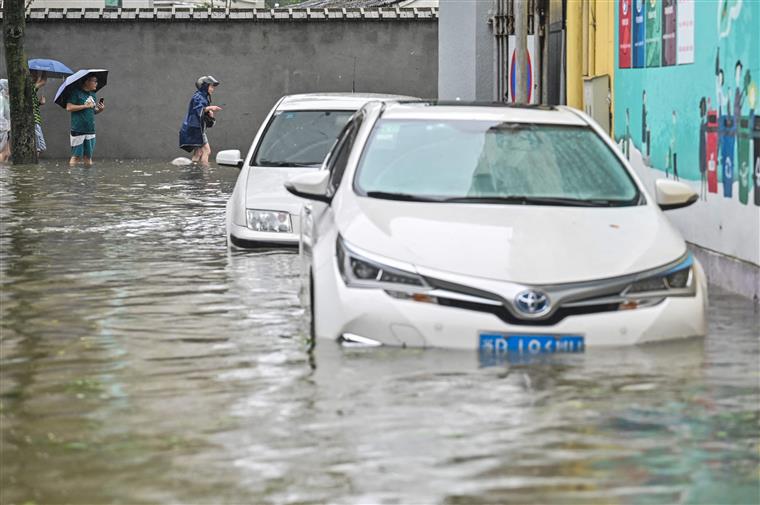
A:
[334,101]
[539,114]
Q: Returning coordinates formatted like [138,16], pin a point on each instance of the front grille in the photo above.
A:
[505,315]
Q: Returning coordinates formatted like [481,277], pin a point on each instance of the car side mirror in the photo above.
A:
[674,195]
[230,158]
[310,185]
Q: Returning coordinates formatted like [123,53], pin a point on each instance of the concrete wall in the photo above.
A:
[465,51]
[153,66]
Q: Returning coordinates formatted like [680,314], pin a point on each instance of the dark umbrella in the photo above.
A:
[75,80]
[53,68]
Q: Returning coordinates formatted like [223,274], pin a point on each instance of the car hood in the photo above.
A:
[516,243]
[265,188]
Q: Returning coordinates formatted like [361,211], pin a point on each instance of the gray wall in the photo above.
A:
[465,51]
[153,66]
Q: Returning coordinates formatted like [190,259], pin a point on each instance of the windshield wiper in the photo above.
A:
[269,163]
[536,200]
[404,197]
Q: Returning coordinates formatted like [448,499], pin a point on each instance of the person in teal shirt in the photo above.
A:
[83,106]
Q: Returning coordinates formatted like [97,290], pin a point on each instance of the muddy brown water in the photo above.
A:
[143,362]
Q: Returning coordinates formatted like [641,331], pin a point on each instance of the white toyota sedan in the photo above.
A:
[503,229]
[293,139]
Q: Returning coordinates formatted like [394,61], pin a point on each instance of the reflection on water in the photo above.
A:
[141,361]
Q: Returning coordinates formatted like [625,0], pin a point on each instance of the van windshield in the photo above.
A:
[299,138]
[492,162]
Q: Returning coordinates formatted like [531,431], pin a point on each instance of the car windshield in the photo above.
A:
[300,138]
[492,162]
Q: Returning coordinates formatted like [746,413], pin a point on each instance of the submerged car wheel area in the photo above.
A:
[501,229]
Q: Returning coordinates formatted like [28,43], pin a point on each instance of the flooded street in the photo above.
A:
[141,361]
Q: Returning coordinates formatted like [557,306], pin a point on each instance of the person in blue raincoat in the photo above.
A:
[200,115]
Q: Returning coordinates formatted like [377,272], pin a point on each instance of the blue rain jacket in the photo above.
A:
[191,132]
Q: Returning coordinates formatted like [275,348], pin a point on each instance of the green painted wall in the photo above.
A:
[689,112]
[725,32]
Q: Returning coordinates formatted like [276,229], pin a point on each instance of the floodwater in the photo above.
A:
[143,362]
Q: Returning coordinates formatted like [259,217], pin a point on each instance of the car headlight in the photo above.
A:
[678,281]
[273,221]
[360,271]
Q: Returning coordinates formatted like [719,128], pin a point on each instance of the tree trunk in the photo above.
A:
[20,87]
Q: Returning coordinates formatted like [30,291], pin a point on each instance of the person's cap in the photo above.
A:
[206,79]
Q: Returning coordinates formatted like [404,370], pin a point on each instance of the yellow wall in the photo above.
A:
[590,46]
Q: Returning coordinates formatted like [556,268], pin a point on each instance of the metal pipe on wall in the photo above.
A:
[521,48]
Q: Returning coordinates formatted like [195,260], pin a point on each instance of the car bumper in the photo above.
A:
[373,314]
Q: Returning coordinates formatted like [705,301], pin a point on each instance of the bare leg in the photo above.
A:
[196,154]
[73,161]
[87,161]
[205,153]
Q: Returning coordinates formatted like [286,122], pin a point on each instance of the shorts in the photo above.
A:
[83,145]
[39,138]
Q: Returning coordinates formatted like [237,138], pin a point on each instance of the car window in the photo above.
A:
[299,138]
[489,161]
[339,157]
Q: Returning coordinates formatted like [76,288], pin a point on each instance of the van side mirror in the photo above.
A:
[311,185]
[230,158]
[674,195]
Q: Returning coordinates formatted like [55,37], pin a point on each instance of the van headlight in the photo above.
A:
[360,271]
[678,281]
[273,221]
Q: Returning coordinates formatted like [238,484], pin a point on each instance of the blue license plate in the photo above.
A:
[498,343]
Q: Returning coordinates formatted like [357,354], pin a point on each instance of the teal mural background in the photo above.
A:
[680,88]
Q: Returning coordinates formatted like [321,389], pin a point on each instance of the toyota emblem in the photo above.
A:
[532,302]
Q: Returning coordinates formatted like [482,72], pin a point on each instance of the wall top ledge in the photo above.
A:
[186,14]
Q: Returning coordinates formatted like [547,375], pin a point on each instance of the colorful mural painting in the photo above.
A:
[686,107]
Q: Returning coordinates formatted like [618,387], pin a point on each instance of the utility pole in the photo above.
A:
[20,87]
[521,49]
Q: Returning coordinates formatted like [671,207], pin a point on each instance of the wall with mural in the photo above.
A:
[687,88]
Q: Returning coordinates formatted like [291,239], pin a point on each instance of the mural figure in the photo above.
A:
[726,130]
[671,160]
[643,117]
[741,88]
[702,149]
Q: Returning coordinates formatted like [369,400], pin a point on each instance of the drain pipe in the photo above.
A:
[521,49]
